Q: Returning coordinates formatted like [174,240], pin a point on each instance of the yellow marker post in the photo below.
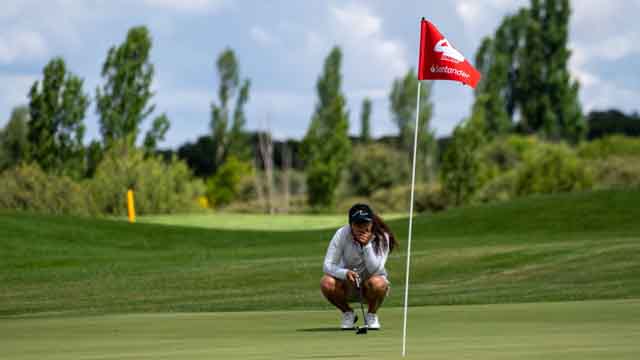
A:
[130,206]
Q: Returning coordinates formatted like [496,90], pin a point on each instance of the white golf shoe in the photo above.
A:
[372,321]
[349,319]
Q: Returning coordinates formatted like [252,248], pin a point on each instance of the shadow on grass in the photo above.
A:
[322,329]
[331,356]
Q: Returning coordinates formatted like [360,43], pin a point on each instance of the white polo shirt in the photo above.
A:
[345,254]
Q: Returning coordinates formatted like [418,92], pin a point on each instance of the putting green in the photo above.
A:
[566,331]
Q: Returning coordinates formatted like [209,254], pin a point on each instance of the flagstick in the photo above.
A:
[413,184]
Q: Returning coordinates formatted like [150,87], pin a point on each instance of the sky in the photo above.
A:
[281,46]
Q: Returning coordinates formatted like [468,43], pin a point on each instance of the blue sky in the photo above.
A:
[281,46]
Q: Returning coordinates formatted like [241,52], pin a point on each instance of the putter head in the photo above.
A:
[361,330]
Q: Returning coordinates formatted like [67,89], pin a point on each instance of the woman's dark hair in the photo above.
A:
[379,229]
[362,213]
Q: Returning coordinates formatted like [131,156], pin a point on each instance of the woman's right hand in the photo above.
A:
[352,276]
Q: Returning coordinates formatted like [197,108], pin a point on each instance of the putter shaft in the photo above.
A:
[361,330]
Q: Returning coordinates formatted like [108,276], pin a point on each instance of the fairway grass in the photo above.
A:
[563,331]
[564,247]
[277,222]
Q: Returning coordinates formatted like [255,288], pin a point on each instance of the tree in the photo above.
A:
[460,169]
[552,107]
[94,155]
[124,100]
[57,107]
[158,130]
[225,185]
[326,144]
[365,130]
[198,156]
[612,121]
[525,71]
[14,143]
[265,145]
[227,126]
[375,167]
[498,94]
[403,99]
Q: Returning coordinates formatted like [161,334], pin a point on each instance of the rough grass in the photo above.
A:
[552,248]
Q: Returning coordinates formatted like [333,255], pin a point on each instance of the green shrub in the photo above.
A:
[227,183]
[615,145]
[519,166]
[376,166]
[27,187]
[159,187]
[500,188]
[428,198]
[617,172]
[504,154]
[552,168]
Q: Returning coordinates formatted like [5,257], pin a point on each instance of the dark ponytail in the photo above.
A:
[380,228]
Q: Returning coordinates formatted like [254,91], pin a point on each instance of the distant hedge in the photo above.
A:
[27,187]
[159,187]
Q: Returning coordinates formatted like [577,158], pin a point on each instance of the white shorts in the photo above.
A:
[353,294]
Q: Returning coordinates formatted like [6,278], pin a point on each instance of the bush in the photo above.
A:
[500,188]
[159,187]
[376,166]
[615,145]
[520,166]
[428,197]
[552,168]
[504,154]
[227,183]
[27,187]
[617,172]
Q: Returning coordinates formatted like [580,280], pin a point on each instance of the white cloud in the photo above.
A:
[274,108]
[606,17]
[577,66]
[469,11]
[589,54]
[482,17]
[17,46]
[372,93]
[183,99]
[608,95]
[13,92]
[187,5]
[359,20]
[262,36]
[369,52]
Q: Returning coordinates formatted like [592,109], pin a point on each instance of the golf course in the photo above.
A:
[555,277]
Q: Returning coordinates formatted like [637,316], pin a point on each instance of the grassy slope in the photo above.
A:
[550,331]
[566,247]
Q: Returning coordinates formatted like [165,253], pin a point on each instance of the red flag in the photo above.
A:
[439,60]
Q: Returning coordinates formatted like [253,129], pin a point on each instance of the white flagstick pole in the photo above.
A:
[413,184]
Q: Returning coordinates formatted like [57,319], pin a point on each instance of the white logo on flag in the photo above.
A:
[447,70]
[443,46]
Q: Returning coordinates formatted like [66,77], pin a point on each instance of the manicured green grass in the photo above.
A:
[550,248]
[232,221]
[563,331]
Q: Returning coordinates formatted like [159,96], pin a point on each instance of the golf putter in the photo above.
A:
[361,329]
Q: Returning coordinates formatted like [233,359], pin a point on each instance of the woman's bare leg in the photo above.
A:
[375,292]
[334,290]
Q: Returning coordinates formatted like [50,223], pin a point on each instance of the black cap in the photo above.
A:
[360,213]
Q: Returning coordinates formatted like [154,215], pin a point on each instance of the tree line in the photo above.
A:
[526,90]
